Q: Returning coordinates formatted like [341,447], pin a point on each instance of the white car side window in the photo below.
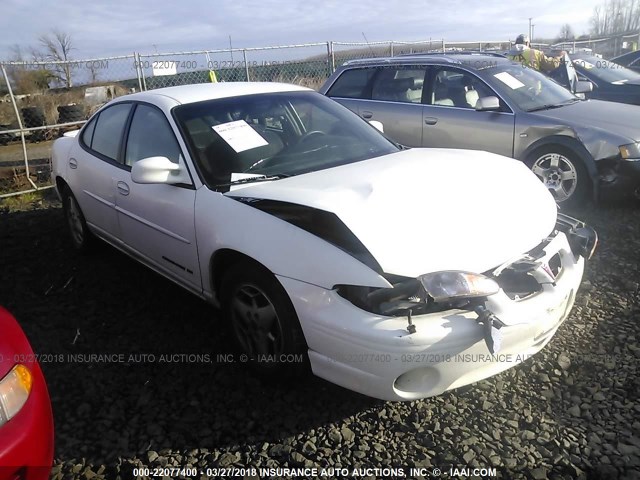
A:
[108,130]
[150,135]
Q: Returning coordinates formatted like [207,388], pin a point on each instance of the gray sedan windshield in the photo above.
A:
[274,135]
[529,89]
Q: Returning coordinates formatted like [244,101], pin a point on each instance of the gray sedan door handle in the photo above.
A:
[73,163]
[430,120]
[367,114]
[123,188]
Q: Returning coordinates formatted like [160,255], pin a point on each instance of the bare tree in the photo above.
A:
[57,48]
[566,33]
[29,78]
[615,17]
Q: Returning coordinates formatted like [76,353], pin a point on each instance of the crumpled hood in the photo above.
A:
[619,118]
[425,210]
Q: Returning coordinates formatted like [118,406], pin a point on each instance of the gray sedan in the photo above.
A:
[486,102]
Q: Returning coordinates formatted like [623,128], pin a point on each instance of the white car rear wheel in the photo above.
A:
[81,237]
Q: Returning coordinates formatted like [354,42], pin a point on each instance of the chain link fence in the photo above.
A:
[606,47]
[39,101]
[305,64]
[33,114]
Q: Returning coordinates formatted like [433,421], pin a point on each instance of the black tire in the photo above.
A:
[81,237]
[271,347]
[34,117]
[70,113]
[541,162]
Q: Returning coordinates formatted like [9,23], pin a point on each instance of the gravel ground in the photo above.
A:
[572,411]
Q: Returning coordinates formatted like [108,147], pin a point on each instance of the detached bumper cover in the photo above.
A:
[376,355]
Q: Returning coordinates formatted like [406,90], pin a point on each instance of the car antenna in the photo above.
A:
[368,45]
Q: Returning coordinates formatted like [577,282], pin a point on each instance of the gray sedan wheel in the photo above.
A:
[562,173]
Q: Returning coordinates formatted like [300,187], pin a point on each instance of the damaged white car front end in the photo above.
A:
[475,285]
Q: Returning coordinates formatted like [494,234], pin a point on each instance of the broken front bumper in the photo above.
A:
[376,355]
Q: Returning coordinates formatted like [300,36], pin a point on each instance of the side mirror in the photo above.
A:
[485,104]
[377,125]
[159,170]
[584,87]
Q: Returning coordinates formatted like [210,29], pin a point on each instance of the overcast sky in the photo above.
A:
[102,28]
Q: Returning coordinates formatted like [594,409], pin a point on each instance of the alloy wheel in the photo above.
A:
[255,322]
[558,173]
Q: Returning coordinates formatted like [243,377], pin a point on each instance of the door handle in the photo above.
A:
[430,120]
[367,114]
[73,163]
[123,188]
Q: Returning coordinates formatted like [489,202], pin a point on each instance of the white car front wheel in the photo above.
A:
[262,320]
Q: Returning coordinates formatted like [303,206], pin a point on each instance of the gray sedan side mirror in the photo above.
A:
[159,170]
[485,104]
[584,87]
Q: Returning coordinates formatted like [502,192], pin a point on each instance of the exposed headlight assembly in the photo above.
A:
[630,152]
[15,388]
[453,285]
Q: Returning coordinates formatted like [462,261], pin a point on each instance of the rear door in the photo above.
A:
[352,88]
[157,220]
[94,167]
[451,120]
[392,95]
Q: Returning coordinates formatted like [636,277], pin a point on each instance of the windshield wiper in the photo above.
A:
[263,178]
[549,106]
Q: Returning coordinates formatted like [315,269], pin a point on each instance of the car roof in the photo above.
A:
[210,91]
[475,60]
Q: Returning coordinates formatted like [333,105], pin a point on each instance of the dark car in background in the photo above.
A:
[611,81]
[630,60]
[26,420]
[487,102]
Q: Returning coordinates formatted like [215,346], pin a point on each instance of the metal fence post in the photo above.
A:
[331,58]
[20,126]
[138,67]
[246,65]
[144,80]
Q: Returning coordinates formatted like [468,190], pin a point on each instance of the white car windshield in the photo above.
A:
[274,135]
[528,89]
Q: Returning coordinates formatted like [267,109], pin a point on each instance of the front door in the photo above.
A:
[157,220]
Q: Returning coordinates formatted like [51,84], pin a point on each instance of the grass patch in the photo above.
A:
[28,201]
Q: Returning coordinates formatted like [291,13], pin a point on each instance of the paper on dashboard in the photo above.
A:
[239,135]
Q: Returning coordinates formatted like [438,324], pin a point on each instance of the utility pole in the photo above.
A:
[533,26]
[530,29]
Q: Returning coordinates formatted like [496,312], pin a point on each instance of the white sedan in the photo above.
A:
[398,273]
